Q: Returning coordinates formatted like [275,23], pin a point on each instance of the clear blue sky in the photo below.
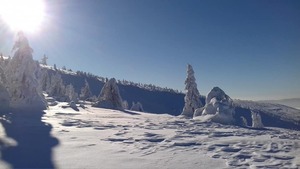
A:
[250,49]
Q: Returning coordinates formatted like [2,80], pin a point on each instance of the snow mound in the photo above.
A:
[219,105]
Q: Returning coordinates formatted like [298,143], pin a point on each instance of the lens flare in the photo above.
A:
[23,15]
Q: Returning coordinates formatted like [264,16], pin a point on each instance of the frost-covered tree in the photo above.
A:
[85,91]
[71,94]
[243,121]
[22,83]
[125,104]
[44,80]
[137,107]
[110,96]
[256,120]
[4,95]
[57,88]
[44,60]
[192,96]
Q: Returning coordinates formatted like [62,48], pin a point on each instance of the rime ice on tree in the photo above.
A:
[85,91]
[110,97]
[256,120]
[4,95]
[137,107]
[192,97]
[21,79]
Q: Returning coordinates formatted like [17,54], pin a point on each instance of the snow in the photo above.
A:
[282,112]
[102,138]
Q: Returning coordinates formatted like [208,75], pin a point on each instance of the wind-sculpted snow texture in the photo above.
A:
[102,138]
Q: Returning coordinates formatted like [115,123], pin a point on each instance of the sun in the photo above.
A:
[22,15]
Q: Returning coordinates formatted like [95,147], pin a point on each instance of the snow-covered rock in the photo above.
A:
[110,97]
[21,81]
[220,106]
[192,97]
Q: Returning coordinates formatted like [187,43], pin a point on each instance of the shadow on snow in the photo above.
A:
[34,142]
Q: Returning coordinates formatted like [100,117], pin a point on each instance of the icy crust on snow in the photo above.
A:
[102,138]
[277,111]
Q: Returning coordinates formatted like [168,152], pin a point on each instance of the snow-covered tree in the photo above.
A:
[57,88]
[192,96]
[4,95]
[256,120]
[44,80]
[243,121]
[85,91]
[110,96]
[71,94]
[137,107]
[44,60]
[125,104]
[22,83]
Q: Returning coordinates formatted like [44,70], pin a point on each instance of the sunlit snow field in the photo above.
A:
[102,138]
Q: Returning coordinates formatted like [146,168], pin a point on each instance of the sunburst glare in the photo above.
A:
[23,15]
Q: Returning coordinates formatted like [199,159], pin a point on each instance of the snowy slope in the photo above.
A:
[294,102]
[152,101]
[103,138]
[276,115]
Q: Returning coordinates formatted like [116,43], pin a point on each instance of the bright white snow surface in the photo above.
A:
[102,138]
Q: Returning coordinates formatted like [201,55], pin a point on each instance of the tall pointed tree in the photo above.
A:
[192,96]
[22,83]
[85,91]
[109,96]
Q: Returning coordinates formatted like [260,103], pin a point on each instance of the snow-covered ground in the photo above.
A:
[103,138]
